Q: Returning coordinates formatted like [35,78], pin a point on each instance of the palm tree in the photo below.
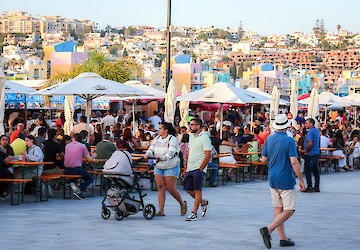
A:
[120,70]
[338,27]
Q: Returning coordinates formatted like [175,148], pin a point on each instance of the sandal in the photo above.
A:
[158,213]
[183,209]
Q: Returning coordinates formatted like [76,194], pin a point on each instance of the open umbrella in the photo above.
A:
[260,92]
[294,100]
[90,86]
[184,108]
[354,98]
[170,102]
[274,104]
[69,114]
[222,93]
[2,103]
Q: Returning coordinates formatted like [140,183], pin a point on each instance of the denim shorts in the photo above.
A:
[174,172]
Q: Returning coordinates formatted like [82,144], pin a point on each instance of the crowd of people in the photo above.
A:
[41,140]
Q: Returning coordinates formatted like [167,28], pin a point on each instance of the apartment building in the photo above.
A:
[331,63]
[18,22]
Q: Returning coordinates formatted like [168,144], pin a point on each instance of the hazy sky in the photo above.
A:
[266,17]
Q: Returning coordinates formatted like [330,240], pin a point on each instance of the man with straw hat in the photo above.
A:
[280,152]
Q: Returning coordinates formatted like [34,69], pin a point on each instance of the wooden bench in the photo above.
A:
[237,167]
[335,160]
[263,168]
[20,191]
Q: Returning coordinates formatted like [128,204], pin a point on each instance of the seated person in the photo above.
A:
[104,150]
[5,151]
[354,151]
[19,145]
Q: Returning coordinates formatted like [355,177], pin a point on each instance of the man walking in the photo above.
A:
[280,152]
[197,159]
[312,155]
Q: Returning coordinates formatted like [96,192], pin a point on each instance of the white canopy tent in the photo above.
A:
[354,98]
[222,93]
[260,92]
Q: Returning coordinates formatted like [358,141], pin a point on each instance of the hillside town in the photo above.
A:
[37,48]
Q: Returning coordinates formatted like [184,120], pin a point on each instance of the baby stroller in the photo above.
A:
[119,171]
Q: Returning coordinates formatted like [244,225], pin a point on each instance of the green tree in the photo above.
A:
[202,36]
[241,70]
[125,53]
[233,71]
[121,70]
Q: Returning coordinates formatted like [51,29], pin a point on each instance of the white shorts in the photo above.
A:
[283,198]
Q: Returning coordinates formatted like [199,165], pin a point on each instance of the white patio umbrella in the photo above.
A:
[90,86]
[222,93]
[184,108]
[274,104]
[354,98]
[313,108]
[152,94]
[17,88]
[260,92]
[294,100]
[2,103]
[170,102]
[69,114]
[327,99]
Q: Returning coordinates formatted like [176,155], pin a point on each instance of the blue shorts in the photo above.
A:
[174,172]
[193,180]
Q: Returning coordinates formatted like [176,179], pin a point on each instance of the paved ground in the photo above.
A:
[326,220]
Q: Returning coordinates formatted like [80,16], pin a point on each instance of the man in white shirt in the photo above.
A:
[155,120]
[83,126]
[108,120]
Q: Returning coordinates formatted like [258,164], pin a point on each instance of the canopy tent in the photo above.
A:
[222,93]
[89,86]
[327,99]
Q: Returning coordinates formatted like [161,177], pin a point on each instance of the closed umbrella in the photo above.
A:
[2,103]
[184,108]
[170,102]
[294,100]
[313,108]
[69,114]
[274,104]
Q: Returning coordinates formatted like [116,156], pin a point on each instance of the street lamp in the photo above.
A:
[168,45]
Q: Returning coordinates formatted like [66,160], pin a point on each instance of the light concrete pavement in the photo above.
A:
[326,220]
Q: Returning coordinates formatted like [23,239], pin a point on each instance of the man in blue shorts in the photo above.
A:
[280,152]
[197,159]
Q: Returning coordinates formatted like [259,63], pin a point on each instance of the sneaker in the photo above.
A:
[50,193]
[73,187]
[204,208]
[287,243]
[78,195]
[266,237]
[191,217]
[316,189]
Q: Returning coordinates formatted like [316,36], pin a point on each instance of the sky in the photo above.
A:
[265,17]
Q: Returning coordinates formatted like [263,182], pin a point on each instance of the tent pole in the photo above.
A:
[133,116]
[252,118]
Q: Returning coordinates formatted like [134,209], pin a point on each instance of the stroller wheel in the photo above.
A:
[149,211]
[105,214]
[119,215]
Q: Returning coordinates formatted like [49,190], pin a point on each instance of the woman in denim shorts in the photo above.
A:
[165,148]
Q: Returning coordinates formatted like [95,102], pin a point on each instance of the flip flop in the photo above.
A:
[183,210]
[159,214]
